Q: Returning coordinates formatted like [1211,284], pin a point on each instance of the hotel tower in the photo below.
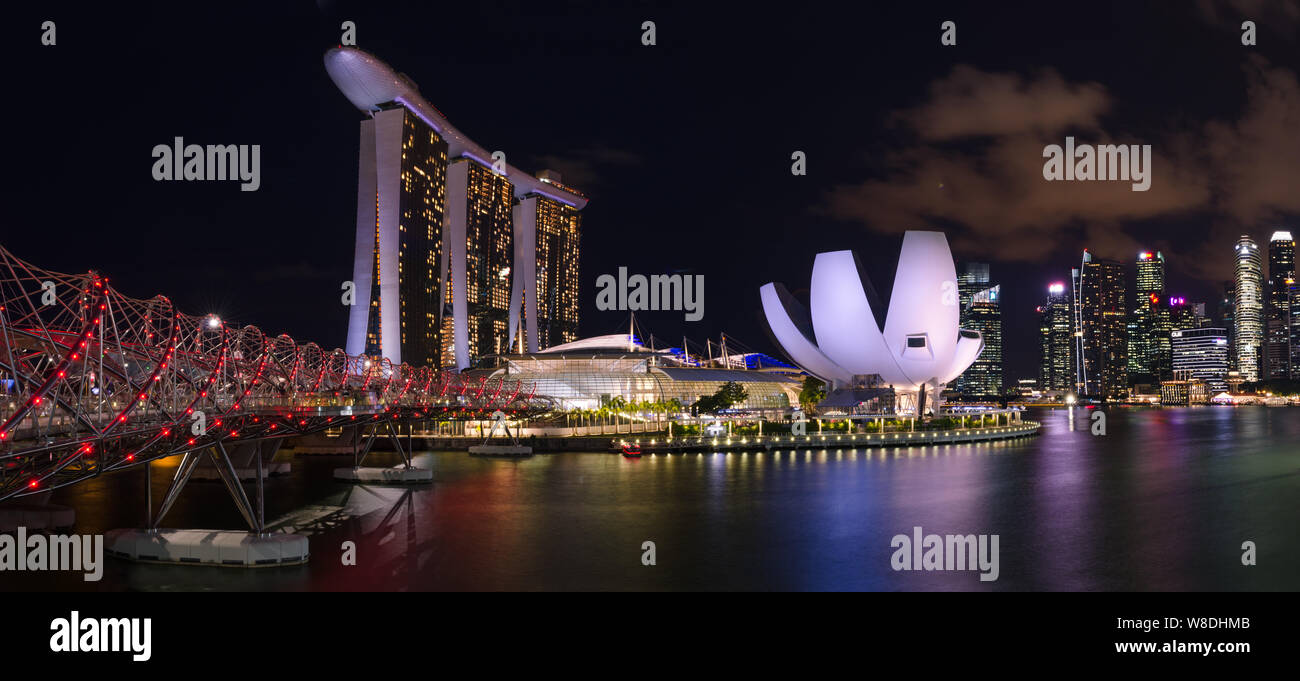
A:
[459,255]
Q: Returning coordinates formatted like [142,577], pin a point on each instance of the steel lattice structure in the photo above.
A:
[93,381]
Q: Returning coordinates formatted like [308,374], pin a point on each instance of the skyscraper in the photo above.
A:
[1248,309]
[1226,316]
[981,311]
[973,278]
[1293,296]
[1056,336]
[480,234]
[1281,274]
[399,238]
[1149,325]
[1100,310]
[1183,315]
[459,254]
[550,312]
[984,376]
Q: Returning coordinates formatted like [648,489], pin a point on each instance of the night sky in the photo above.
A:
[683,147]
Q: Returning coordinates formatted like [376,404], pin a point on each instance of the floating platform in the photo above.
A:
[511,451]
[229,548]
[395,475]
[35,516]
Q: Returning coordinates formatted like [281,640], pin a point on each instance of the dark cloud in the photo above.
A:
[974,103]
[975,169]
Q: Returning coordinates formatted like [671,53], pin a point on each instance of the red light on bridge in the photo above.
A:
[33,484]
[130,457]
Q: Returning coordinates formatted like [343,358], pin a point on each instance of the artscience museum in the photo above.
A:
[849,339]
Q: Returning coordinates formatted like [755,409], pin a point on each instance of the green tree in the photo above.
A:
[813,392]
[730,394]
[707,404]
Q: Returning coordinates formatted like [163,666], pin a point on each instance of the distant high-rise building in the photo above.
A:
[1150,275]
[459,255]
[1293,295]
[973,278]
[1056,341]
[981,311]
[1148,326]
[1248,309]
[1227,304]
[1277,313]
[1101,319]
[984,376]
[1183,315]
[1201,316]
[1202,354]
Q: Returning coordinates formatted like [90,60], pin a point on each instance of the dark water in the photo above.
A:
[1163,501]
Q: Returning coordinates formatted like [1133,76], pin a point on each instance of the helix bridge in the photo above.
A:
[93,381]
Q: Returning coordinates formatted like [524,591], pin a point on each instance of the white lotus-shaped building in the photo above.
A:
[919,348]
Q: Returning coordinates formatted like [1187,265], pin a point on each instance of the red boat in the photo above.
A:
[632,451]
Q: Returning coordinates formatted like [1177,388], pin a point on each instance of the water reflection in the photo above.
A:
[1162,501]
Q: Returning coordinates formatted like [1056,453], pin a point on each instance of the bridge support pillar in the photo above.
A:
[249,460]
[403,473]
[253,548]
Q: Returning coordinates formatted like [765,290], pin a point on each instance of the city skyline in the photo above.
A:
[1151,326]
[621,155]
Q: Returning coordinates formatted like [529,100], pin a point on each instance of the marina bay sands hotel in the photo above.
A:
[455,259]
